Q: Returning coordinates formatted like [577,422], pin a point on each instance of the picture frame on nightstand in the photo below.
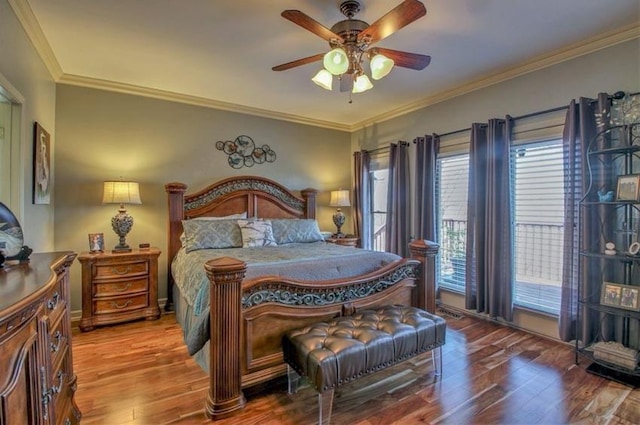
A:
[96,242]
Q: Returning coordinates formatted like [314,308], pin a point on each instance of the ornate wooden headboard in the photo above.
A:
[257,196]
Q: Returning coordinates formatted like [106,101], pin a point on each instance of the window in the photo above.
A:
[452,185]
[379,187]
[538,199]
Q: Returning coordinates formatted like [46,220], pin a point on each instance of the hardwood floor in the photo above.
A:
[140,373]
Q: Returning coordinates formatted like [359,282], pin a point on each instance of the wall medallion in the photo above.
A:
[243,152]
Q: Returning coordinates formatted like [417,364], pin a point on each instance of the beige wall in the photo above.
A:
[104,135]
[608,70]
[21,66]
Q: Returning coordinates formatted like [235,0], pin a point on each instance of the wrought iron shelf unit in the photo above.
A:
[610,225]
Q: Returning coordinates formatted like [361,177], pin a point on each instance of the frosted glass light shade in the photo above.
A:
[336,61]
[380,66]
[362,84]
[324,79]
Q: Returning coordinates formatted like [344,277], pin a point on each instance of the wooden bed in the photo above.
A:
[245,338]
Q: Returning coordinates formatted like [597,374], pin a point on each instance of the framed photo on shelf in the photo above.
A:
[96,242]
[611,293]
[622,296]
[628,188]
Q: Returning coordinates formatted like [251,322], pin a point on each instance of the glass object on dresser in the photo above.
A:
[608,316]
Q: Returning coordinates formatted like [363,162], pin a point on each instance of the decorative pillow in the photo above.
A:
[296,230]
[203,234]
[257,232]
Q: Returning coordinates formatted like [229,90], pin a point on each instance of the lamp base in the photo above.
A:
[117,250]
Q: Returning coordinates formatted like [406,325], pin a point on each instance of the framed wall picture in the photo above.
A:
[41,165]
[96,242]
[628,188]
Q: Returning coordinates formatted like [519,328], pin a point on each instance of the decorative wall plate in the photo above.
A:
[11,238]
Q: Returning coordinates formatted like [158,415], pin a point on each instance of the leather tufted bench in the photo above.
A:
[334,353]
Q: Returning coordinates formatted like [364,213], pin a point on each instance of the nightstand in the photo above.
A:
[347,240]
[119,287]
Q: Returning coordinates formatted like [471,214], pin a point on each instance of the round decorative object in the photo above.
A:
[220,145]
[229,147]
[236,160]
[610,245]
[634,248]
[248,161]
[259,155]
[11,238]
[245,145]
[271,156]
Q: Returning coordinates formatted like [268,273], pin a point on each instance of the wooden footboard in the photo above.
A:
[249,317]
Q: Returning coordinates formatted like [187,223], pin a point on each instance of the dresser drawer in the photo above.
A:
[58,342]
[122,269]
[120,304]
[129,286]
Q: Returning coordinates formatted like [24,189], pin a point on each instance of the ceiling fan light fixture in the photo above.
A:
[380,66]
[362,84]
[324,79]
[336,61]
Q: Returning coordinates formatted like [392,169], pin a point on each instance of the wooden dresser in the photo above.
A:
[119,287]
[37,382]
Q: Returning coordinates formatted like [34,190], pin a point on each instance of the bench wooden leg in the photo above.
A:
[436,358]
[293,380]
[325,403]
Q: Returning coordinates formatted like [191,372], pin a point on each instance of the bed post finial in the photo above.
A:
[175,194]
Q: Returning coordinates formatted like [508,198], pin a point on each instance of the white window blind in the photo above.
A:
[452,177]
[538,224]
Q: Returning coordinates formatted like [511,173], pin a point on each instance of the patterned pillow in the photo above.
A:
[203,234]
[257,232]
[296,230]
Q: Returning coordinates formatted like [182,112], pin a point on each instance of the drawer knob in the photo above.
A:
[121,271]
[115,304]
[55,346]
[53,302]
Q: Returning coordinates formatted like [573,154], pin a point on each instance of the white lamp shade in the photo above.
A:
[362,84]
[324,79]
[336,61]
[119,192]
[339,198]
[380,66]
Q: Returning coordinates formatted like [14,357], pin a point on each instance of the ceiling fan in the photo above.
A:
[351,40]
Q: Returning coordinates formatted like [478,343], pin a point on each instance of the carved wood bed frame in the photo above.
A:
[249,316]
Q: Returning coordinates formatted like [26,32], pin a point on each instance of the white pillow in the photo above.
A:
[256,232]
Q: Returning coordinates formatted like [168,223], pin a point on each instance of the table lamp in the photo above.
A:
[339,198]
[121,192]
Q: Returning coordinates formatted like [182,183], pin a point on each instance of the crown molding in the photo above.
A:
[31,26]
[28,20]
[566,53]
[76,80]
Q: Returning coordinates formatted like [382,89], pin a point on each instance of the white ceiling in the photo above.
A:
[220,53]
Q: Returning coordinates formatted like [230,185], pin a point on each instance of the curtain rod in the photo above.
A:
[616,95]
[383,148]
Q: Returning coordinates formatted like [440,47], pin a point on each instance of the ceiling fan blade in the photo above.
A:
[346,82]
[298,62]
[310,24]
[399,17]
[403,59]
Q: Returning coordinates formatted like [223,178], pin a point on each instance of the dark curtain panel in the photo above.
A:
[427,148]
[362,198]
[489,287]
[579,130]
[398,214]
